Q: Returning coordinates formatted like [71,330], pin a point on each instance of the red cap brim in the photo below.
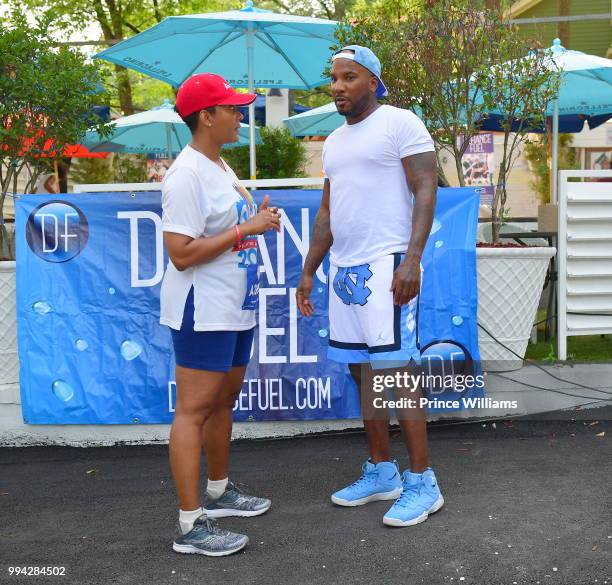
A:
[238,99]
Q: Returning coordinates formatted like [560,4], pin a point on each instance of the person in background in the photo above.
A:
[47,184]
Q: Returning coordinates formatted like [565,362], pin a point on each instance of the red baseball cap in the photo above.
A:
[206,90]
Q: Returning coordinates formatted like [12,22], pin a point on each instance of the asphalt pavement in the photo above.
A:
[527,502]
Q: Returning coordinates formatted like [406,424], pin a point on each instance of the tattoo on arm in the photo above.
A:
[321,234]
[422,176]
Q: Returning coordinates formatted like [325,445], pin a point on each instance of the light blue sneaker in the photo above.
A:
[421,497]
[380,481]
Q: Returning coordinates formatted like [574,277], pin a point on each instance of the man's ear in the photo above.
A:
[374,83]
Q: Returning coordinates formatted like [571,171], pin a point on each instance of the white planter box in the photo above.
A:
[9,362]
[510,282]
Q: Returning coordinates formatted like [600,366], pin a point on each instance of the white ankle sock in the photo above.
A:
[216,488]
[186,519]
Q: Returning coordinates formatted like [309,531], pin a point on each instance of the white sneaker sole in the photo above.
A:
[188,549]
[392,495]
[397,522]
[227,512]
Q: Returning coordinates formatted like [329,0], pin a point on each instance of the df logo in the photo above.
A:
[57,231]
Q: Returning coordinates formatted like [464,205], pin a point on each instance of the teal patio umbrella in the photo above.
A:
[159,130]
[585,92]
[249,47]
[321,121]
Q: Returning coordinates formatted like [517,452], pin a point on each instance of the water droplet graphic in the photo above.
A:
[130,350]
[457,320]
[439,244]
[323,332]
[111,291]
[41,307]
[435,227]
[62,390]
[81,344]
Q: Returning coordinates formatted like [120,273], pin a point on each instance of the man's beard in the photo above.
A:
[356,108]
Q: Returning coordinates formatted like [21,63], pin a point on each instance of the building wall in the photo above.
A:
[591,36]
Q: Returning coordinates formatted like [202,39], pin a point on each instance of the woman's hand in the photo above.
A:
[267,218]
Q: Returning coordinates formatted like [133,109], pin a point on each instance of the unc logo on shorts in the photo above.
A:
[57,231]
[350,284]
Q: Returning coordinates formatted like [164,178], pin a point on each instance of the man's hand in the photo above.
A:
[406,282]
[302,295]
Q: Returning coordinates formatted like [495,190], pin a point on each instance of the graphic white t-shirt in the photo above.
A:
[199,199]
[370,201]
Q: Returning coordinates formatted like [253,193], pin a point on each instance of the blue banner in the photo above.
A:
[89,268]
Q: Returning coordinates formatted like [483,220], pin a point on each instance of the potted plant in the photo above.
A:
[460,62]
[47,94]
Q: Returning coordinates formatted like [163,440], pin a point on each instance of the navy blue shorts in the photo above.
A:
[215,351]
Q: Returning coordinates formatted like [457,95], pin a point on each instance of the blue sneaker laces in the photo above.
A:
[366,477]
[408,496]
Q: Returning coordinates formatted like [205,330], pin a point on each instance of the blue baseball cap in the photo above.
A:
[366,58]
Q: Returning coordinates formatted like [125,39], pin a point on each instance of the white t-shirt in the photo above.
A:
[199,199]
[370,201]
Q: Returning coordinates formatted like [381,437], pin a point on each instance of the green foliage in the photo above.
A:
[129,168]
[331,9]
[281,156]
[536,154]
[90,170]
[46,100]
[117,168]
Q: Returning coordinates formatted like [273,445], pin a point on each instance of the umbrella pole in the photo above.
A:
[555,151]
[250,39]
[169,142]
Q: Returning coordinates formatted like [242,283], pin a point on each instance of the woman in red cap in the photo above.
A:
[208,299]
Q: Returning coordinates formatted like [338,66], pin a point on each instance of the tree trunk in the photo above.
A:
[124,88]
[457,156]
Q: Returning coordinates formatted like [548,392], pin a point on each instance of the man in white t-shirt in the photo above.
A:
[375,217]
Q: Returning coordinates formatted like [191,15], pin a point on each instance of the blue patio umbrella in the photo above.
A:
[159,130]
[585,94]
[249,47]
[321,121]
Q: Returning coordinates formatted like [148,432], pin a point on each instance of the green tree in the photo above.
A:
[281,156]
[117,168]
[330,9]
[46,100]
[119,19]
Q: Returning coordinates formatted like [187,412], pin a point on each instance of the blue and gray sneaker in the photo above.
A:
[206,538]
[421,497]
[234,503]
[380,481]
